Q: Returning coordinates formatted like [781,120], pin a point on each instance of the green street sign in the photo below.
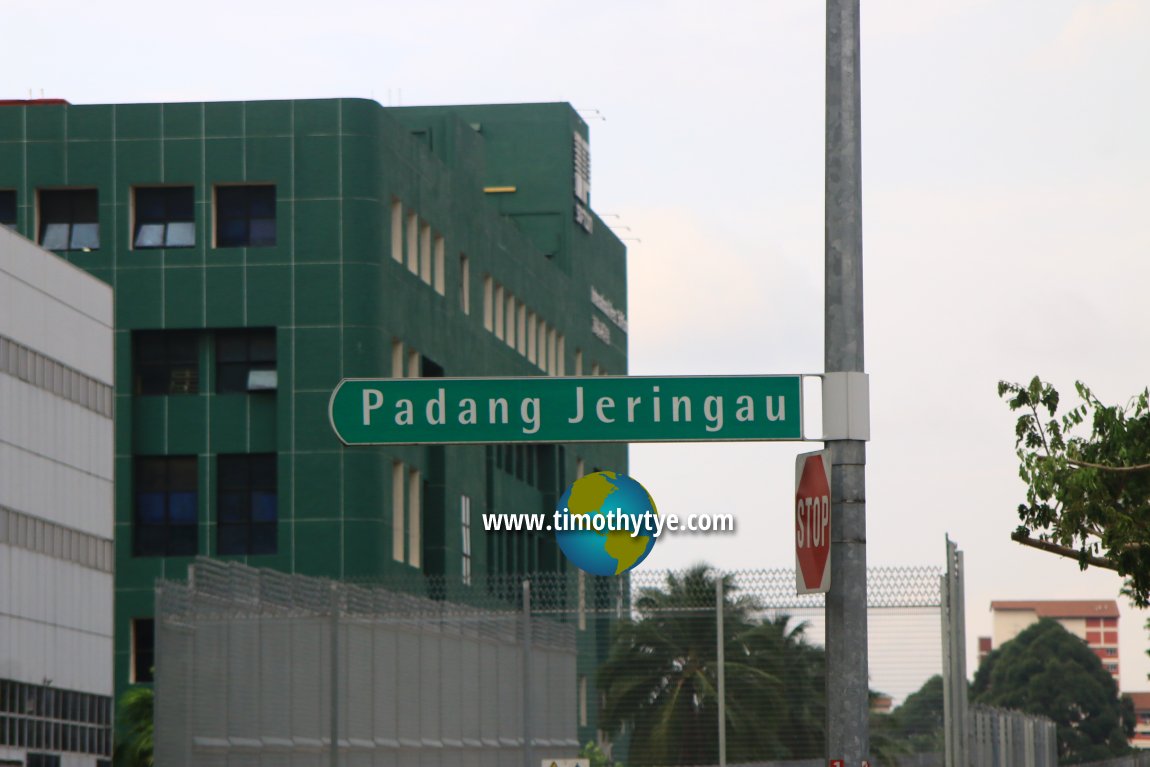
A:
[441,411]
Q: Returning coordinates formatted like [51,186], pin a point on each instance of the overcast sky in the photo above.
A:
[1006,175]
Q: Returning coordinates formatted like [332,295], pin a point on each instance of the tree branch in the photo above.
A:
[1062,551]
[1104,467]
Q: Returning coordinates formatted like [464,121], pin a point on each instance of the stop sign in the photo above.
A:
[812,522]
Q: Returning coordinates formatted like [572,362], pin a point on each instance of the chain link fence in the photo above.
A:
[256,667]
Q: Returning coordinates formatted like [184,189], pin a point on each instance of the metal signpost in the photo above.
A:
[848,734]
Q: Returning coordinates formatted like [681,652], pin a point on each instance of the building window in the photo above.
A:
[166,507]
[498,311]
[245,216]
[512,313]
[531,335]
[465,526]
[43,760]
[143,649]
[166,362]
[413,243]
[440,257]
[246,361]
[69,219]
[487,299]
[425,252]
[1110,637]
[1110,622]
[521,329]
[397,357]
[464,284]
[165,217]
[8,208]
[247,504]
[414,517]
[397,230]
[398,475]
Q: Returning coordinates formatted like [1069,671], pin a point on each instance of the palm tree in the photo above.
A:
[660,680]
[134,748]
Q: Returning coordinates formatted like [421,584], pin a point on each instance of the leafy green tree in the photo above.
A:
[1087,473]
[1046,670]
[136,735]
[660,680]
[919,720]
[593,754]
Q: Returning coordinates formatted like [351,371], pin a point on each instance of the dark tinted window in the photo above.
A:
[246,360]
[245,216]
[69,219]
[167,506]
[248,510]
[166,362]
[165,217]
[143,649]
[8,208]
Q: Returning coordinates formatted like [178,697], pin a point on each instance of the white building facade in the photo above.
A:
[56,513]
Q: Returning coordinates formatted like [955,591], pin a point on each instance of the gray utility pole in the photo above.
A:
[848,736]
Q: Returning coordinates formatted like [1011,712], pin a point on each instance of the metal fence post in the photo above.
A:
[334,751]
[721,672]
[527,760]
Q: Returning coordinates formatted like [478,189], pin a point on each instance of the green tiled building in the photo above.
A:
[260,252]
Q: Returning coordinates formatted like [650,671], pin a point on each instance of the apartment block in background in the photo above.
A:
[1094,621]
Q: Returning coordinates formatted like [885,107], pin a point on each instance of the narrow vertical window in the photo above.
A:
[414,516]
[425,252]
[521,329]
[397,230]
[396,358]
[542,335]
[561,356]
[488,323]
[465,528]
[509,335]
[498,311]
[440,255]
[578,362]
[464,284]
[552,343]
[398,510]
[412,243]
[580,467]
[531,329]
[413,364]
[143,649]
[8,208]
